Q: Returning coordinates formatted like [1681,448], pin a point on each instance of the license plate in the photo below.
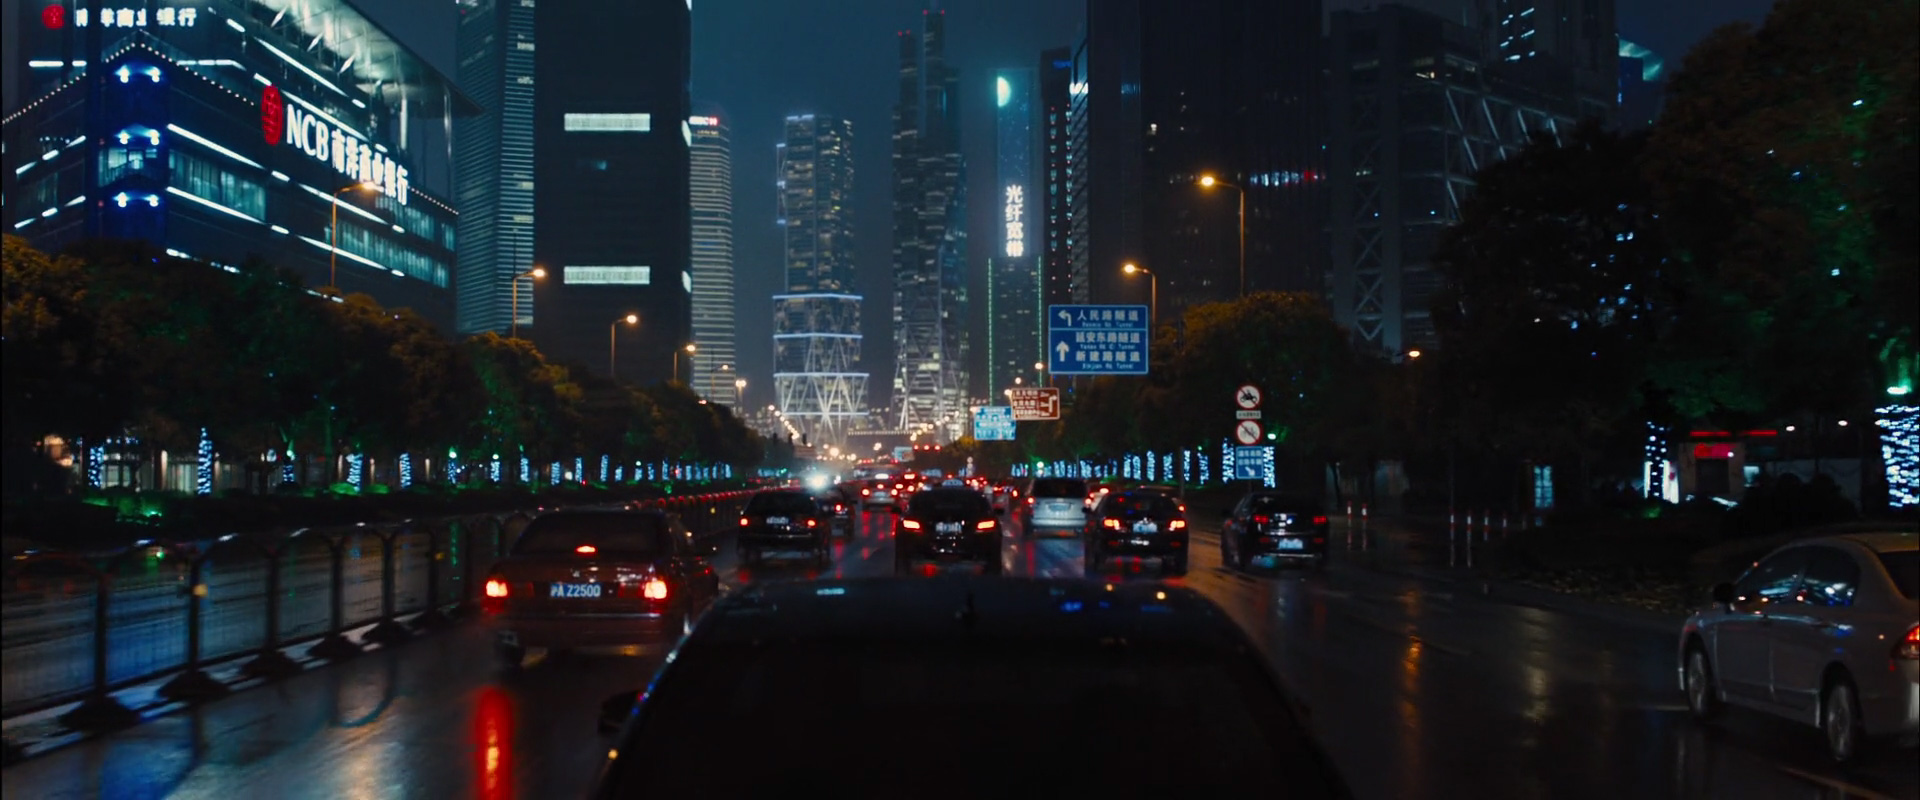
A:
[947,527]
[776,520]
[573,590]
[1290,544]
[1140,542]
[1146,526]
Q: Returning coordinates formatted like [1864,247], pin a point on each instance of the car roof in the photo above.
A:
[957,607]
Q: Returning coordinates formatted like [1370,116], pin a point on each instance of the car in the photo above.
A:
[1140,524]
[583,579]
[1824,631]
[1005,495]
[1274,526]
[835,502]
[784,520]
[947,523]
[1054,504]
[945,677]
[878,492]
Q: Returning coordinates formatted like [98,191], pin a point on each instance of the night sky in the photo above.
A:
[763,59]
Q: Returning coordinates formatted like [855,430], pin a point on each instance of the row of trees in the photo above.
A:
[113,339]
[1749,262]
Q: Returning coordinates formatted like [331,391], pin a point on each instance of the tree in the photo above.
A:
[63,375]
[524,399]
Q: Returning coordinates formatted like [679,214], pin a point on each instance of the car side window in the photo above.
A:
[1776,579]
[1831,578]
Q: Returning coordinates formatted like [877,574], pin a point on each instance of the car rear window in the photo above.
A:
[781,503]
[1904,566]
[1143,503]
[1059,487]
[1283,505]
[623,534]
[948,501]
[1198,723]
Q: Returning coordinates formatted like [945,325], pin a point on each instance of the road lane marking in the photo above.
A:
[1843,787]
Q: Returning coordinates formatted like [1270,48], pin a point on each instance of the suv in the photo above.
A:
[786,519]
[1054,504]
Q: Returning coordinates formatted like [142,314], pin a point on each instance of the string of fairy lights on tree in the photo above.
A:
[406,470]
[203,470]
[1900,449]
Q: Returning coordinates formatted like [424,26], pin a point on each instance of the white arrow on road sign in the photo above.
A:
[1065,318]
[1062,349]
[1247,397]
[1247,432]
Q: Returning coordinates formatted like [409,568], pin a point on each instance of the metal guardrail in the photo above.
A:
[76,627]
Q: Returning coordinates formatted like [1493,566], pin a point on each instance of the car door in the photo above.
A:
[1808,633]
[1742,634]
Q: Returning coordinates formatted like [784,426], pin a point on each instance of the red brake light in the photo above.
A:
[984,525]
[496,588]
[1029,501]
[1177,525]
[910,524]
[744,522]
[1111,523]
[812,523]
[865,492]
[1261,519]
[654,589]
[1909,648]
[1319,520]
[586,549]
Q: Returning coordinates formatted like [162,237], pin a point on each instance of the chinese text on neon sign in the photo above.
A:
[330,144]
[1016,222]
[129,18]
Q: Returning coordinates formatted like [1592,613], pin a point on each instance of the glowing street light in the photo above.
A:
[537,272]
[1153,289]
[1208,182]
[613,342]
[333,251]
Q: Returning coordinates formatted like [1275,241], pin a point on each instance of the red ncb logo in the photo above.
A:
[273,117]
[54,17]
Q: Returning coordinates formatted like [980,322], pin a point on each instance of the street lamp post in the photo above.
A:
[514,327]
[333,233]
[740,392]
[691,349]
[613,342]
[1153,291]
[1208,181]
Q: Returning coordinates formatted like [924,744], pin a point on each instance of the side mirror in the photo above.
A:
[1723,593]
[615,710]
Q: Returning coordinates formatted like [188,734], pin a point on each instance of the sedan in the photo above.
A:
[1270,526]
[579,579]
[947,523]
[786,520]
[1824,631]
[1140,524]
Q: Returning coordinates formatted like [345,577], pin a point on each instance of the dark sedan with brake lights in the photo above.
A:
[1139,524]
[948,523]
[580,579]
[1273,527]
[787,520]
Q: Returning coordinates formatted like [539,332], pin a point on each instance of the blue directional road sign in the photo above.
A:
[993,424]
[1097,340]
[1250,463]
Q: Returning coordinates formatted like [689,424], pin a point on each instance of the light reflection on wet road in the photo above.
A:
[1418,691]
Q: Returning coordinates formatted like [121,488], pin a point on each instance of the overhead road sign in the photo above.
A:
[1097,340]
[993,424]
[1034,403]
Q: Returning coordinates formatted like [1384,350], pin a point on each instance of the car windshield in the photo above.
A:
[1904,566]
[621,534]
[781,503]
[1196,723]
[1147,503]
[1059,487]
[943,502]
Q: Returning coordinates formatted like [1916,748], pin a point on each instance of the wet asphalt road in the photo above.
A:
[1418,691]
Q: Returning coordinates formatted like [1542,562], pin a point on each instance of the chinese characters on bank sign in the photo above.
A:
[55,17]
[331,143]
[1097,340]
[1016,221]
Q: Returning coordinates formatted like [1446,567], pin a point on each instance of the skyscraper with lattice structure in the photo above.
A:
[818,381]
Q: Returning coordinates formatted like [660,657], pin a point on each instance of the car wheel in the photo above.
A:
[1840,720]
[1703,698]
[510,656]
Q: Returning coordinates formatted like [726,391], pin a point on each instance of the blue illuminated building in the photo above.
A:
[224,129]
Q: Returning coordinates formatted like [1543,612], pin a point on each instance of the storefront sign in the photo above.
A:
[330,143]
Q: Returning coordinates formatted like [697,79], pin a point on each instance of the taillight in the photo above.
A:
[813,523]
[744,522]
[1177,525]
[984,525]
[865,492]
[1319,520]
[586,549]
[1029,501]
[496,588]
[1111,523]
[1261,519]
[910,524]
[654,589]
[1909,648]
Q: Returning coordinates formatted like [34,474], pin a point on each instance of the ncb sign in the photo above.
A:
[329,142]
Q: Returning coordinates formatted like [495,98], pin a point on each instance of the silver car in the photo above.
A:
[1825,631]
[1054,504]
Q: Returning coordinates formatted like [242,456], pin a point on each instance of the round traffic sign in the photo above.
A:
[1247,397]
[1247,432]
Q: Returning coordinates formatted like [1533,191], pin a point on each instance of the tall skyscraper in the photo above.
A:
[711,184]
[1051,209]
[817,378]
[1013,271]
[1164,95]
[611,171]
[493,158]
[929,239]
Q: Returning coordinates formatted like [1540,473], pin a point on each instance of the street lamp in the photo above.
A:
[739,391]
[536,272]
[1208,182]
[613,342]
[333,234]
[1413,354]
[1153,288]
[676,361]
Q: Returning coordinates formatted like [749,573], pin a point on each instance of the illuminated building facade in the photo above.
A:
[224,129]
[818,380]
[931,343]
[1013,270]
[711,183]
[493,153]
[1051,208]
